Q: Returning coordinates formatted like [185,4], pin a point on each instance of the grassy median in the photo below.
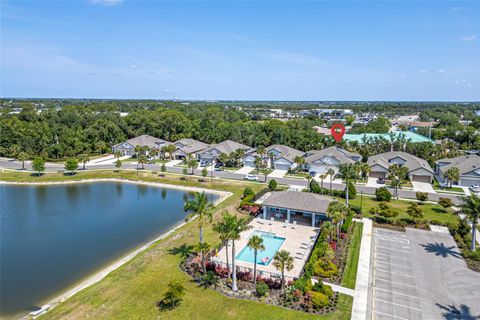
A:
[350,274]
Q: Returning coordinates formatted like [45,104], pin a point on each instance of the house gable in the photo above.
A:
[282,161]
[397,160]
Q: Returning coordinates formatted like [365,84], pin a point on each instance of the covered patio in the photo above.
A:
[293,206]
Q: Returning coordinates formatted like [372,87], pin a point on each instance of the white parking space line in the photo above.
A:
[390,248]
[393,239]
[390,315]
[395,282]
[393,272]
[393,264]
[389,254]
[399,305]
[395,292]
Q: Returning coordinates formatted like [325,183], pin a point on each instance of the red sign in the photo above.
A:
[337,130]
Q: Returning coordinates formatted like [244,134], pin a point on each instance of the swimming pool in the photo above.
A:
[271,242]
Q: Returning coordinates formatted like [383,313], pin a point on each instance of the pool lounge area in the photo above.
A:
[272,244]
[299,241]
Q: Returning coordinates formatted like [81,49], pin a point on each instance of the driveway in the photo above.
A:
[173,163]
[244,170]
[372,182]
[277,173]
[422,186]
[420,274]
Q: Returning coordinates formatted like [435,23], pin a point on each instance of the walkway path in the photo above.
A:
[362,283]
[337,288]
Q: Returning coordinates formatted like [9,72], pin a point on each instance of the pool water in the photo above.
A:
[271,242]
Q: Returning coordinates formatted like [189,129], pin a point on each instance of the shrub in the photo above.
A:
[262,289]
[415,211]
[445,202]
[248,191]
[356,209]
[421,196]
[314,186]
[384,210]
[173,296]
[272,185]
[383,194]
[319,300]
[209,279]
[352,192]
[325,268]
[323,288]
[346,225]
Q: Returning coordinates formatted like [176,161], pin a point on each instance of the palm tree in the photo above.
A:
[261,151]
[202,209]
[142,160]
[331,173]
[329,230]
[83,158]
[240,154]
[203,248]
[452,174]
[346,172]
[163,152]
[117,154]
[357,167]
[223,227]
[171,149]
[471,208]
[138,150]
[283,260]
[322,176]
[255,243]
[22,156]
[309,178]
[365,168]
[258,164]
[223,158]
[337,212]
[238,225]
[299,161]
[153,153]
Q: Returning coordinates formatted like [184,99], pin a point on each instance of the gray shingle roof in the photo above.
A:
[411,162]
[300,201]
[149,141]
[191,145]
[342,155]
[227,147]
[464,163]
[285,152]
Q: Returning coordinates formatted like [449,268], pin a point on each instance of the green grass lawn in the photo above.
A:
[132,291]
[350,274]
[297,175]
[430,211]
[436,186]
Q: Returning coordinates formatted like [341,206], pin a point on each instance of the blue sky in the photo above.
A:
[251,50]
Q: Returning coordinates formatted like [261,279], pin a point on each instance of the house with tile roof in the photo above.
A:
[319,161]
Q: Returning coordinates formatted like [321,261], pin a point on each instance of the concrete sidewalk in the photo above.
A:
[362,282]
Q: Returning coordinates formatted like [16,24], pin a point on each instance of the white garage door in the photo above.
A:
[250,164]
[318,169]
[280,166]
[469,182]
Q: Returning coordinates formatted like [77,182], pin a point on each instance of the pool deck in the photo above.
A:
[299,242]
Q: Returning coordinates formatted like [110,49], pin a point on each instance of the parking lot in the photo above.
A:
[394,290]
[420,274]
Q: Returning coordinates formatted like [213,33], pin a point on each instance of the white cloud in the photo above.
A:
[441,70]
[469,37]
[423,71]
[107,3]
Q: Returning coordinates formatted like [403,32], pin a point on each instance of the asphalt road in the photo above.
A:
[420,274]
[59,167]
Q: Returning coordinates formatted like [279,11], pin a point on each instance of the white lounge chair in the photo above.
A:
[286,224]
[271,220]
[294,224]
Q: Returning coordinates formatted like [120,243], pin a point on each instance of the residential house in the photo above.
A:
[188,146]
[468,165]
[127,148]
[277,156]
[210,154]
[418,169]
[319,161]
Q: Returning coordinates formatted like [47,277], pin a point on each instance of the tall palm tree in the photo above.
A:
[346,172]
[256,244]
[22,156]
[309,179]
[322,177]
[238,225]
[142,160]
[201,208]
[83,158]
[258,164]
[261,151]
[471,208]
[153,153]
[223,227]
[163,152]
[171,149]
[283,260]
[240,154]
[138,150]
[337,212]
[365,168]
[331,173]
[329,230]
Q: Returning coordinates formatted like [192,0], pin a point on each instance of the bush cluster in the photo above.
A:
[383,194]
